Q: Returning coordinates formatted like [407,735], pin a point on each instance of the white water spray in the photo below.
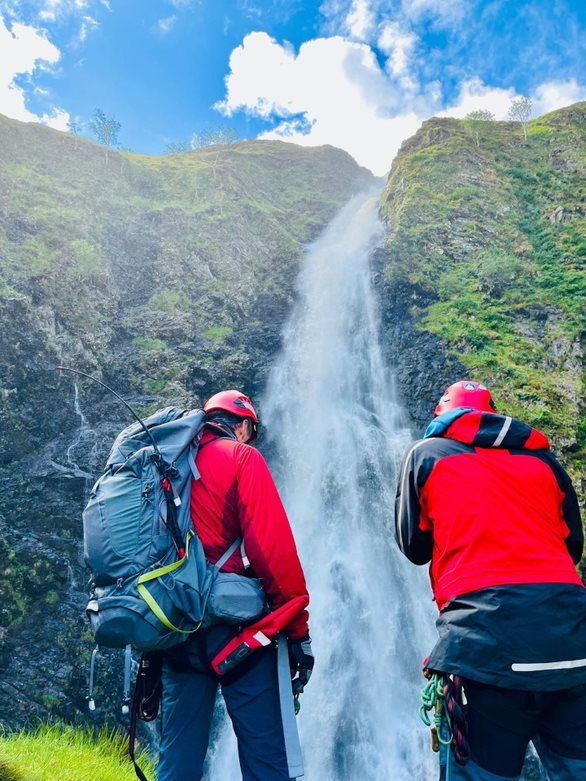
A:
[337,434]
[83,436]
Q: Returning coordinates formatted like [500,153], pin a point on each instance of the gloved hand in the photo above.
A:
[301,663]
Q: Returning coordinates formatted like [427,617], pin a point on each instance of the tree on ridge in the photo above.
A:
[215,136]
[177,147]
[106,130]
[476,122]
[74,128]
[520,111]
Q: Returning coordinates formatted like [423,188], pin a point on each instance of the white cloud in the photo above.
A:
[372,143]
[369,21]
[165,25]
[551,95]
[58,119]
[398,44]
[332,91]
[23,49]
[87,26]
[52,9]
[445,13]
[475,95]
[360,20]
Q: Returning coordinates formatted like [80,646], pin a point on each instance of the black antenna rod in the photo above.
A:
[108,388]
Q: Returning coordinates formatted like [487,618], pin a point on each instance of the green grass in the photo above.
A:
[146,345]
[217,334]
[61,753]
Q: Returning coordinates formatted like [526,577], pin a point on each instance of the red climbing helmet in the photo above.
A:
[234,402]
[465,393]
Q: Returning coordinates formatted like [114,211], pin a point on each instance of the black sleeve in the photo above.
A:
[416,544]
[570,510]
[571,513]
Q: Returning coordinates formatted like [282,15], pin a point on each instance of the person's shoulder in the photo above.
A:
[430,445]
[247,454]
[549,459]
[424,456]
[210,440]
[225,446]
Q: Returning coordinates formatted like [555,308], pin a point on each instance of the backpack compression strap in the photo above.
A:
[228,554]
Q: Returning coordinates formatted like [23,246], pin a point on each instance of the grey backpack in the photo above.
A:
[151,584]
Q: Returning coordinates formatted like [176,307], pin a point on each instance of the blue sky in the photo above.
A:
[359,74]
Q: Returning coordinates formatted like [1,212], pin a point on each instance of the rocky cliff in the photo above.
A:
[483,274]
[168,278]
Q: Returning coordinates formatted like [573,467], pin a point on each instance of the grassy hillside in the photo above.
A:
[487,245]
[161,270]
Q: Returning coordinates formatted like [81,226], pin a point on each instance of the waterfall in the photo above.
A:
[336,435]
[84,435]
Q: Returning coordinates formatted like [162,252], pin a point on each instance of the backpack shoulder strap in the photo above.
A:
[224,558]
[193,451]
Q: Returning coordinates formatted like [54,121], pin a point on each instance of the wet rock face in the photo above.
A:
[168,278]
[423,368]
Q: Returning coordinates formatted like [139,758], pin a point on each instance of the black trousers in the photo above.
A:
[502,723]
[251,695]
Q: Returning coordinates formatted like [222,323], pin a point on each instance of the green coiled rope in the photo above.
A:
[433,699]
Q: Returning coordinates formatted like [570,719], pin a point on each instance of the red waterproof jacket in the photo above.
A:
[484,499]
[237,497]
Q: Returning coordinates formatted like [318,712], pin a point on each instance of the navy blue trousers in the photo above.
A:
[251,695]
[502,722]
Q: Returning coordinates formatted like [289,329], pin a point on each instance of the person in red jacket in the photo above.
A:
[484,500]
[235,497]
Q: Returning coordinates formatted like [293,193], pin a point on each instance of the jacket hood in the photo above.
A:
[486,429]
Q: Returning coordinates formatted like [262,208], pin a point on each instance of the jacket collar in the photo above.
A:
[486,429]
[214,430]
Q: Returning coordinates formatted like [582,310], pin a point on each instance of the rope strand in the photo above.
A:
[443,695]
